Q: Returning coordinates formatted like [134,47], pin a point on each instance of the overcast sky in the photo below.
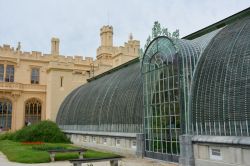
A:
[77,22]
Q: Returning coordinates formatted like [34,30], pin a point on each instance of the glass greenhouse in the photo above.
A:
[180,87]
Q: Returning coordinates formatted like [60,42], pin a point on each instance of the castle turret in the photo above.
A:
[55,46]
[106,35]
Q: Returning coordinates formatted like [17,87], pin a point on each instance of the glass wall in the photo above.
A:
[220,91]
[161,100]
[168,67]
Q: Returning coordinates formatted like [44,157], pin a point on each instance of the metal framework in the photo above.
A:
[168,67]
[112,103]
[161,99]
[220,95]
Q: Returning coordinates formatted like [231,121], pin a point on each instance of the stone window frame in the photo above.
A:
[37,80]
[33,111]
[6,113]
[5,64]
[10,73]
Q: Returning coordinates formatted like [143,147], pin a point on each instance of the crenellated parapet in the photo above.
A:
[7,51]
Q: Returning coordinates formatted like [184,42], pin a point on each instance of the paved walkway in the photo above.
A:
[125,162]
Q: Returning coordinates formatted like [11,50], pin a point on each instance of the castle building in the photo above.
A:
[33,85]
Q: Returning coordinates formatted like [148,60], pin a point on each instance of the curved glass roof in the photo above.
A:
[220,96]
[112,103]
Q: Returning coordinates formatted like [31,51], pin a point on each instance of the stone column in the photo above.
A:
[186,150]
[140,145]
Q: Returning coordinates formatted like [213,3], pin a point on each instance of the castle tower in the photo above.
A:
[55,46]
[106,35]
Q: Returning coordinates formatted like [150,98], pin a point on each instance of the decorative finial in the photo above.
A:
[130,36]
[18,46]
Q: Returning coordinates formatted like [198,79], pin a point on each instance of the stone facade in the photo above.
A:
[49,78]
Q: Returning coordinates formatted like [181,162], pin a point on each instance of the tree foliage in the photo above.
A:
[157,30]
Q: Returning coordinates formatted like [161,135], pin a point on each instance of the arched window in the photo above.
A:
[33,109]
[161,99]
[5,114]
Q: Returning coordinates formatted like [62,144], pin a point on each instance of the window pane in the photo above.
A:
[35,76]
[32,111]
[9,73]
[1,72]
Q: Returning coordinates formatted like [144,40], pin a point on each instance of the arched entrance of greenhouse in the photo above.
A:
[5,114]
[33,109]
[161,100]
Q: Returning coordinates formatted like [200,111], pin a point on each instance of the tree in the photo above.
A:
[176,34]
[147,42]
[156,30]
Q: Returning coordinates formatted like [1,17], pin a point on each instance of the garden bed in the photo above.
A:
[37,153]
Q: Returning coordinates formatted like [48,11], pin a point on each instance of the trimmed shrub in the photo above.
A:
[44,131]
[7,135]
[46,147]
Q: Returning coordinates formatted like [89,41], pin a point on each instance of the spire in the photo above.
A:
[130,36]
[18,46]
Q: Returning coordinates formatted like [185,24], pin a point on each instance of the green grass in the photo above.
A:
[17,152]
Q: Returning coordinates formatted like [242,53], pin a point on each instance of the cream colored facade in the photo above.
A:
[57,77]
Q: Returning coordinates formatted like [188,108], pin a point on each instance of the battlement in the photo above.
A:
[11,52]
[106,29]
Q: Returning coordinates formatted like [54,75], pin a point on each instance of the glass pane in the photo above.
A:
[9,73]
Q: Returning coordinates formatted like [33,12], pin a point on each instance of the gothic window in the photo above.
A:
[35,76]
[1,72]
[9,73]
[33,109]
[5,114]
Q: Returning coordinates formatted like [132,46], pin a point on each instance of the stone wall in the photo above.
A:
[130,145]
[221,154]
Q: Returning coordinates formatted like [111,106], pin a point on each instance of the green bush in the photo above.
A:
[6,136]
[44,131]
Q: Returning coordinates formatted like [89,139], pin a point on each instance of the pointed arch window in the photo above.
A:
[33,109]
[5,114]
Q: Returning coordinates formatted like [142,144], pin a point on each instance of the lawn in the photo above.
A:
[18,152]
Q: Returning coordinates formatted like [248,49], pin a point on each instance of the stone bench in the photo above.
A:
[52,153]
[113,160]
